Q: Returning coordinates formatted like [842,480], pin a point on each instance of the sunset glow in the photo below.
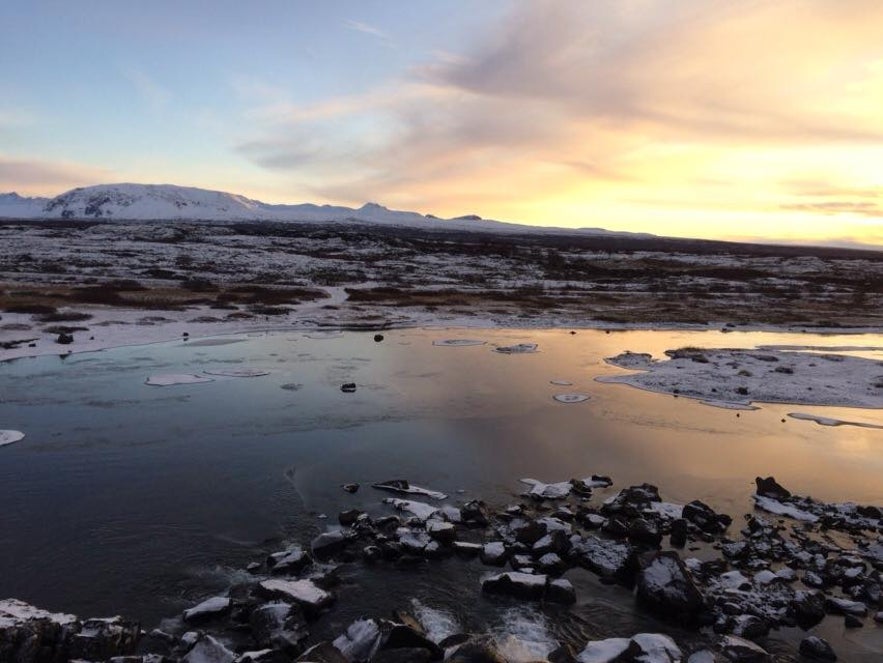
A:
[750,120]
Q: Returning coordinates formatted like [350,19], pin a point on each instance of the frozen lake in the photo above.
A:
[137,499]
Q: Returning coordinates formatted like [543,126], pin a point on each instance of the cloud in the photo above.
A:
[832,207]
[590,103]
[37,177]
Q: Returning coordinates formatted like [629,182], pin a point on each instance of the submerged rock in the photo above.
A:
[817,649]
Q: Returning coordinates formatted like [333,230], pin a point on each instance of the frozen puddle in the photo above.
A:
[571,398]
[734,377]
[829,421]
[10,436]
[169,379]
[238,372]
[517,349]
[458,342]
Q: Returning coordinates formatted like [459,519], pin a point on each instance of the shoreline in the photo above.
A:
[118,327]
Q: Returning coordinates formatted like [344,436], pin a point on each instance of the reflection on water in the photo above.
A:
[127,497]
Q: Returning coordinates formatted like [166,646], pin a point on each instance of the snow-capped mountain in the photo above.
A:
[161,202]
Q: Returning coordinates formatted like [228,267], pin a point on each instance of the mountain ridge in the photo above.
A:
[170,202]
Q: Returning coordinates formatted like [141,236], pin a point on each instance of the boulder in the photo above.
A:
[560,591]
[642,532]
[666,587]
[208,609]
[817,649]
[678,538]
[328,544]
[305,593]
[609,559]
[740,650]
[769,487]
[209,650]
[705,518]
[278,626]
[322,652]
[100,639]
[494,553]
[519,585]
[477,650]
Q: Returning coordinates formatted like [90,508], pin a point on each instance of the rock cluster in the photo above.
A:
[771,575]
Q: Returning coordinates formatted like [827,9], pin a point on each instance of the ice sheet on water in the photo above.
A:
[10,436]
[237,372]
[169,379]
[517,349]
[458,342]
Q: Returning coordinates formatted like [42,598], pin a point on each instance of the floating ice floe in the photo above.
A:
[238,372]
[170,379]
[571,398]
[561,383]
[10,436]
[549,491]
[830,421]
[404,487]
[517,349]
[458,342]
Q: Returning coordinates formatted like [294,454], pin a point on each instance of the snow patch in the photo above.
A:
[10,437]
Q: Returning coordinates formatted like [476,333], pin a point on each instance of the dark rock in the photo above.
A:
[769,487]
[643,532]
[494,553]
[816,648]
[519,585]
[666,587]
[403,655]
[400,636]
[349,518]
[678,538]
[209,649]
[64,339]
[529,531]
[609,559]
[372,553]
[454,640]
[617,527]
[323,652]
[350,487]
[294,560]
[278,626]
[378,338]
[348,387]
[563,654]
[808,608]
[739,650]
[560,591]
[101,639]
[328,544]
[479,650]
[474,514]
[705,518]
[850,621]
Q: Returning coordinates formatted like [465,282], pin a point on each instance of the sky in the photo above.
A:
[696,118]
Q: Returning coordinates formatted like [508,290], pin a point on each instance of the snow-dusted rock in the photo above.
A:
[666,587]
[402,486]
[607,558]
[421,510]
[520,585]
[494,553]
[209,650]
[770,505]
[360,641]
[548,491]
[304,593]
[293,560]
[212,607]
[740,650]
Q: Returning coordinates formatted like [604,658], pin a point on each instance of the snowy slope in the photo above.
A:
[160,202]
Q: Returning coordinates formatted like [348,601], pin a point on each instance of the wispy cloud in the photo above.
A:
[365,28]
